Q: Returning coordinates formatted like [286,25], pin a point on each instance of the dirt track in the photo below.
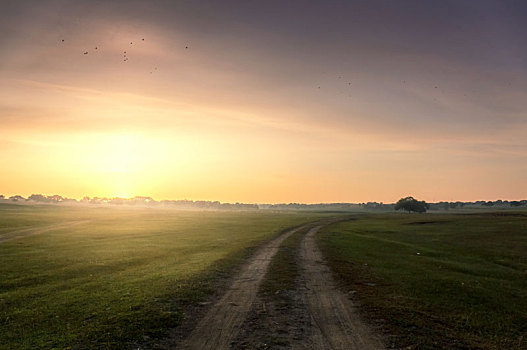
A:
[31,231]
[321,316]
[335,324]
[223,321]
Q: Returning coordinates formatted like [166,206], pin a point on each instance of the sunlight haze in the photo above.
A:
[258,102]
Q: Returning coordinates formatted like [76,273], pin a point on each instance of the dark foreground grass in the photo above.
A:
[122,278]
[437,280]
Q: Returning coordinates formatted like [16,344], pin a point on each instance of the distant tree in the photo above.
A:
[410,204]
[37,198]
[16,198]
[55,198]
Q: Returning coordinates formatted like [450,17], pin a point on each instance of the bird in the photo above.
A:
[85,52]
[130,43]
[143,39]
[186,47]
[95,47]
[62,40]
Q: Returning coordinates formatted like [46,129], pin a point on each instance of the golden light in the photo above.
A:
[126,164]
[118,154]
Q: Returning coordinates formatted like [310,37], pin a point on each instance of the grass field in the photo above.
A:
[117,277]
[437,280]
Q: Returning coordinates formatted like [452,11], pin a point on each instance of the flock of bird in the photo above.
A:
[339,77]
[349,86]
[125,55]
[125,59]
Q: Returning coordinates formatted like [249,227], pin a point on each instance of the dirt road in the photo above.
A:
[334,320]
[31,231]
[223,321]
[320,316]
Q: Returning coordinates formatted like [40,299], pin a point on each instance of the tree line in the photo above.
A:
[409,204]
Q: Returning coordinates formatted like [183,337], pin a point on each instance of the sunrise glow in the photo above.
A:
[127,99]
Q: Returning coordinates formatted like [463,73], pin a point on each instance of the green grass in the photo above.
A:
[437,280]
[121,278]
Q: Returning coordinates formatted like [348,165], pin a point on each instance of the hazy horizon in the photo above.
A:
[264,102]
[80,199]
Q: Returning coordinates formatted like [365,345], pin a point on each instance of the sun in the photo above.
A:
[118,164]
[119,153]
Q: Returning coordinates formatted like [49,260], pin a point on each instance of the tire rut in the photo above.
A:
[335,324]
[217,329]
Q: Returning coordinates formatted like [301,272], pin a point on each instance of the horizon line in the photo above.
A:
[59,198]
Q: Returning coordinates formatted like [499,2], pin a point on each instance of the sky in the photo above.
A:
[264,101]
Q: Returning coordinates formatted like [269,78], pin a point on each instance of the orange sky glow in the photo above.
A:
[248,113]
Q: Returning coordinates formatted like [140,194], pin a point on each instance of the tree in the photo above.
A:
[37,198]
[410,204]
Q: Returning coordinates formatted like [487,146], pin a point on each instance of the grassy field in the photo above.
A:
[118,277]
[437,280]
